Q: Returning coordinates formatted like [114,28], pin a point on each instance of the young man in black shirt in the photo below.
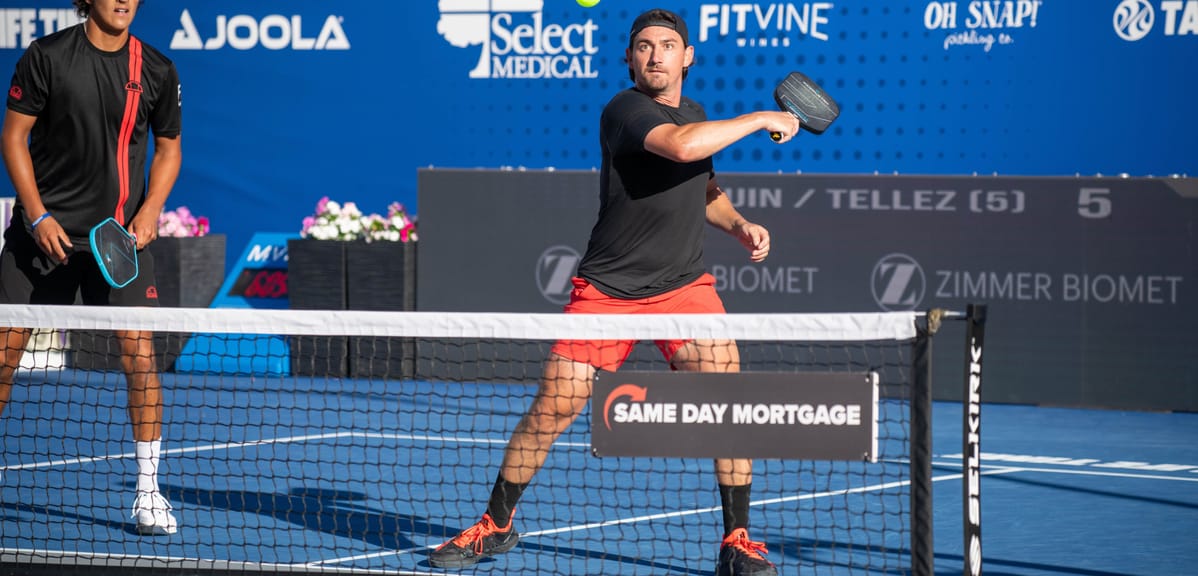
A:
[645,255]
[75,140]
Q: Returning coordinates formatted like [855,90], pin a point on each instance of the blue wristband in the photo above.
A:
[39,220]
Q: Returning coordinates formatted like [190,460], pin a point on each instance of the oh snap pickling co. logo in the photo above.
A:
[514,40]
[981,23]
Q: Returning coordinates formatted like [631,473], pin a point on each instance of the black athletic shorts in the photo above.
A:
[29,276]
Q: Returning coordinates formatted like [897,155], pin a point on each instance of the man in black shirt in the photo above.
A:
[645,255]
[75,140]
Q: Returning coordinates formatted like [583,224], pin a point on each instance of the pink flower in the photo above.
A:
[181,223]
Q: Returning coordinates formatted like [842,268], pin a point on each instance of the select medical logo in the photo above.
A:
[515,40]
[1135,19]
[273,32]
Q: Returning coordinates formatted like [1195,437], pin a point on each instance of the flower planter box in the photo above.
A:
[352,275]
[316,281]
[189,271]
[188,274]
[382,276]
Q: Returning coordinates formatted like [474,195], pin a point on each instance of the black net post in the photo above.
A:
[975,336]
[922,545]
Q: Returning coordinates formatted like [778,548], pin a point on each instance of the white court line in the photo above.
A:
[252,443]
[1092,473]
[988,470]
[27,555]
[661,516]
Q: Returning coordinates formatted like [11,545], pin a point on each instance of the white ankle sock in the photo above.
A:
[147,465]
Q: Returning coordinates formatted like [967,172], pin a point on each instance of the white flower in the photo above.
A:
[336,221]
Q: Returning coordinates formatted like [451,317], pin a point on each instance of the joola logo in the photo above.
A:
[530,49]
[554,269]
[273,32]
[898,283]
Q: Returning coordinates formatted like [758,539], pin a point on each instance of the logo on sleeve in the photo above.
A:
[15,92]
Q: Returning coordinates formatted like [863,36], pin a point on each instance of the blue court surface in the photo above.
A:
[308,473]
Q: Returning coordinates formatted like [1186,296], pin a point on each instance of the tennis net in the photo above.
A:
[304,441]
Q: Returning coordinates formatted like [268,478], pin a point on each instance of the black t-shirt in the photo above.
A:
[648,239]
[79,95]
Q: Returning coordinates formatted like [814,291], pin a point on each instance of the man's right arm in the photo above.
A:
[14,145]
[699,140]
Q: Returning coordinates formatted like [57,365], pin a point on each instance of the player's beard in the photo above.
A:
[655,83]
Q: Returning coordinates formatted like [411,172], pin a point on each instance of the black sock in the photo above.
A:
[735,500]
[503,500]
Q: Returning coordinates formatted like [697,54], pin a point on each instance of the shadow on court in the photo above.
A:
[332,512]
[40,510]
[566,556]
[812,553]
[995,567]
[339,513]
[1089,491]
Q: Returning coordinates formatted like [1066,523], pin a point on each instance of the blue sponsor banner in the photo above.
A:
[286,102]
[258,280]
[259,277]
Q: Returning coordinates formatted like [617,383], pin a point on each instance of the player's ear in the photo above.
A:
[689,60]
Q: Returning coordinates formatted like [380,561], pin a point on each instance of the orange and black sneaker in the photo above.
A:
[740,556]
[475,543]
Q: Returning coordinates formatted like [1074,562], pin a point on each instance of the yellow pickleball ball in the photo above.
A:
[587,3]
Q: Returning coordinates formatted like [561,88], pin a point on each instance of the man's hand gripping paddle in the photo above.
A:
[115,250]
[803,98]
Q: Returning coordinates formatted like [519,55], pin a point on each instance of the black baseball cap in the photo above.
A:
[659,17]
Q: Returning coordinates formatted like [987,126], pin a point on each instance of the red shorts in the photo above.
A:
[698,297]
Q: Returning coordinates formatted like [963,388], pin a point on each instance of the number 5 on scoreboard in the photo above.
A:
[1094,203]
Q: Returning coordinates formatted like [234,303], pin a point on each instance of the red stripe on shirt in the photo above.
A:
[132,99]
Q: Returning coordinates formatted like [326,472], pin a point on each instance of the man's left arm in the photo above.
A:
[723,215]
[164,170]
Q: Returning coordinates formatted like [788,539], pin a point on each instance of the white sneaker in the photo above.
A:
[153,515]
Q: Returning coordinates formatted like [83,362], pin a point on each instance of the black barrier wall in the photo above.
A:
[1090,282]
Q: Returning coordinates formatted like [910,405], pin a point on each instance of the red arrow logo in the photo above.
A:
[632,391]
